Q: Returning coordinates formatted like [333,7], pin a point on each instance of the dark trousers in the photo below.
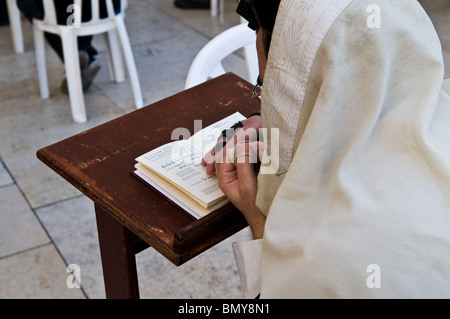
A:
[35,9]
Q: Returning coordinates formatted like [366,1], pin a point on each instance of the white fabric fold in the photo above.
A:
[248,255]
[363,209]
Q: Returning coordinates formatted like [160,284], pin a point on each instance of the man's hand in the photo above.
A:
[249,131]
[238,181]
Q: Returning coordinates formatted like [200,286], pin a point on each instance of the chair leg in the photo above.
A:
[16,26]
[129,59]
[115,62]
[73,74]
[112,75]
[221,12]
[214,8]
[41,64]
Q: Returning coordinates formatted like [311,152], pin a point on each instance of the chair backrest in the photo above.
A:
[76,9]
[207,64]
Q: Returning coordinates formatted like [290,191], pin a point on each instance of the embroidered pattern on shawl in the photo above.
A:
[305,35]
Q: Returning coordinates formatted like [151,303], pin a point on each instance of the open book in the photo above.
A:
[175,170]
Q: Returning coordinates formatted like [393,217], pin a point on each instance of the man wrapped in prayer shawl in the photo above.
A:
[353,195]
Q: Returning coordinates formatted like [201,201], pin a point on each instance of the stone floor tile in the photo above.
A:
[28,124]
[72,227]
[19,228]
[39,273]
[5,178]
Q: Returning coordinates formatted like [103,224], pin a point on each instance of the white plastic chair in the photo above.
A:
[111,26]
[208,62]
[16,25]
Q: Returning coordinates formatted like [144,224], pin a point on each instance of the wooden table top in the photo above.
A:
[99,162]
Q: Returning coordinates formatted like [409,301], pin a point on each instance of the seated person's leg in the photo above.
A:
[31,8]
[88,65]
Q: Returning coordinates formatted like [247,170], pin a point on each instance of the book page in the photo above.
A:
[174,194]
[180,162]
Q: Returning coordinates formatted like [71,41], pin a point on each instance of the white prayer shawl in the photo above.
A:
[359,206]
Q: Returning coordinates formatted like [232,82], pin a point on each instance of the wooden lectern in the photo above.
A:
[130,215]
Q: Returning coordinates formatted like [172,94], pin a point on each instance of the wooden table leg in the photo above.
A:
[118,257]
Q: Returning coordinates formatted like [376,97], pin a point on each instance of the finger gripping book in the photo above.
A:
[175,170]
